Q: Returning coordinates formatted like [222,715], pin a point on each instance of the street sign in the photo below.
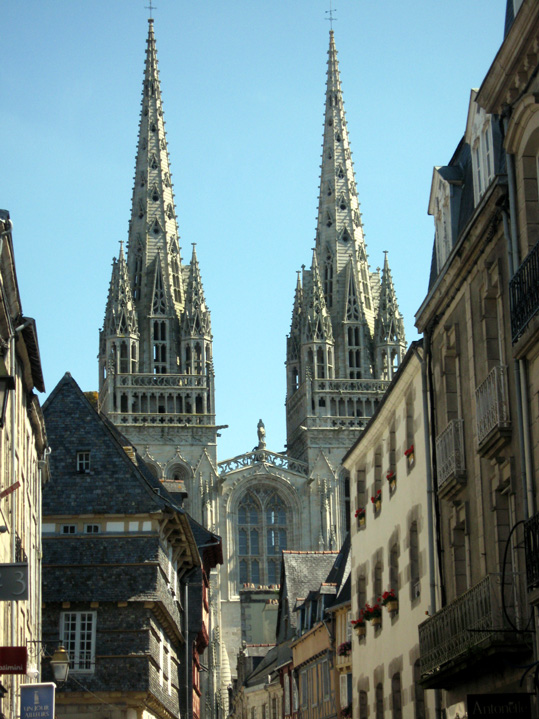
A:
[13,582]
[37,701]
[13,660]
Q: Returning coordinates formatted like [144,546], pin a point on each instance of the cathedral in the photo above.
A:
[157,381]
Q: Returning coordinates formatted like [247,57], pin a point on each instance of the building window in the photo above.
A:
[91,528]
[159,347]
[83,462]
[379,701]
[325,680]
[262,535]
[396,696]
[69,528]
[77,633]
[482,161]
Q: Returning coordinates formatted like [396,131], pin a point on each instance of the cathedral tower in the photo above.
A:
[156,378]
[347,334]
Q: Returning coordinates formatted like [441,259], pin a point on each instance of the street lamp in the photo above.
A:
[7,383]
[60,665]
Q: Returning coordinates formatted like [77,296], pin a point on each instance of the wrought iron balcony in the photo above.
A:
[492,405]
[450,453]
[531,545]
[467,630]
[524,289]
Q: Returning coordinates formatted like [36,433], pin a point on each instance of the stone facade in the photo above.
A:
[392,549]
[23,472]
[481,344]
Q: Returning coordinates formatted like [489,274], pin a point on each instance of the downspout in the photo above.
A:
[431,500]
[520,368]
[15,508]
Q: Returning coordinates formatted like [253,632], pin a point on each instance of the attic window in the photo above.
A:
[83,462]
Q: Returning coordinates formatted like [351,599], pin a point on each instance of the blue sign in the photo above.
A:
[37,701]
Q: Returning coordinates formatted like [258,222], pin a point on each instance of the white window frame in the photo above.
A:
[79,663]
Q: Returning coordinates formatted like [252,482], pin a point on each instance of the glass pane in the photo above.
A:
[243,541]
[255,572]
[254,542]
[243,572]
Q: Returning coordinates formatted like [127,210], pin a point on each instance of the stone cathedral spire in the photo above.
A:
[156,368]
[347,335]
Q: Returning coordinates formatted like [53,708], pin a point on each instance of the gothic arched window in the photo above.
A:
[262,536]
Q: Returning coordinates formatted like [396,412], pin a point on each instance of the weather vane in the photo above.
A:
[330,13]
[151,8]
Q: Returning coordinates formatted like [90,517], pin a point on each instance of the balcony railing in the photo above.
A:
[492,406]
[524,289]
[531,544]
[471,623]
[450,452]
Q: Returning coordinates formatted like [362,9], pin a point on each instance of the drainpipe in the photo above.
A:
[431,498]
[520,368]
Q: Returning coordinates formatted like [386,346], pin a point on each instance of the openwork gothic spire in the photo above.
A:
[153,229]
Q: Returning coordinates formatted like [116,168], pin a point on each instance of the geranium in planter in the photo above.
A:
[373,613]
[376,500]
[359,625]
[360,515]
[390,601]
[392,479]
[344,649]
[409,454]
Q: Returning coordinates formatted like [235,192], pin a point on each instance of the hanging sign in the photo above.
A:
[14,581]
[13,660]
[37,701]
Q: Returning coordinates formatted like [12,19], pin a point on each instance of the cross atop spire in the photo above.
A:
[330,14]
[151,8]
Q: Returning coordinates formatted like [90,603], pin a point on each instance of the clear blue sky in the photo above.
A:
[243,88]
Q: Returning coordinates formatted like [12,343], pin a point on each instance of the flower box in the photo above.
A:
[390,601]
[360,515]
[372,613]
[359,625]
[409,454]
[392,479]
[344,649]
[376,500]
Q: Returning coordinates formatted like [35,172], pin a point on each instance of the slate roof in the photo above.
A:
[302,572]
[116,482]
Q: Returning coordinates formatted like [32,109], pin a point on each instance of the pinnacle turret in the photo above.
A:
[196,318]
[389,337]
[120,315]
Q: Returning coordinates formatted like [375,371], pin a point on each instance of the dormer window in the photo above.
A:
[83,462]
[442,221]
[482,161]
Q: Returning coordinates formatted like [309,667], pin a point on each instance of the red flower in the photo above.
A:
[390,476]
[409,451]
[377,497]
[360,512]
[388,596]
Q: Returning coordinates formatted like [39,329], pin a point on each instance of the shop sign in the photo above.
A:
[37,701]
[516,706]
[13,660]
